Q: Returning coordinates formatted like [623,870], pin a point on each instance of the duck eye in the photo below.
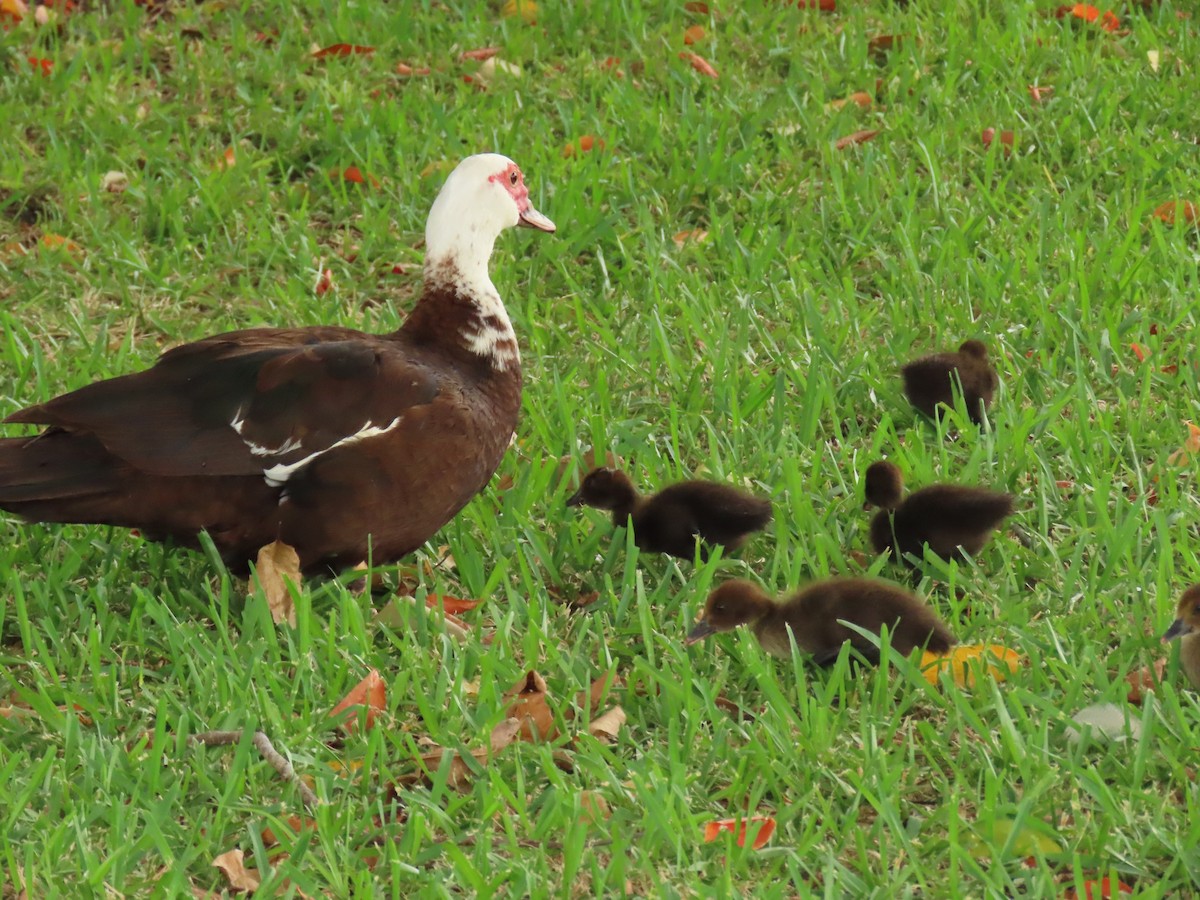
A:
[513,177]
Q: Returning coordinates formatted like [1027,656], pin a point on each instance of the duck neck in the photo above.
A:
[626,501]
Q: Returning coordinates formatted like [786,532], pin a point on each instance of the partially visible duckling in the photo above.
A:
[812,615]
[950,518]
[929,381]
[1187,627]
[671,520]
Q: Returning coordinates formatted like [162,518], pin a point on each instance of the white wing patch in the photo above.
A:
[279,474]
[239,422]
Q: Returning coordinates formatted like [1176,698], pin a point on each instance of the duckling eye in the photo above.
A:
[513,177]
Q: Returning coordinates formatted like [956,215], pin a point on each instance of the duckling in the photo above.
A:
[671,520]
[1187,627]
[812,617]
[929,381]
[950,518]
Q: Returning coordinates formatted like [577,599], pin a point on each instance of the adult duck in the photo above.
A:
[814,618]
[345,445]
[671,520]
[929,382]
[950,518]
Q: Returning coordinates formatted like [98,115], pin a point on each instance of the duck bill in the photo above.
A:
[531,218]
[702,630]
[1178,629]
[576,499]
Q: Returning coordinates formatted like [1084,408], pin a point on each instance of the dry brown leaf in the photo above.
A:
[608,726]
[589,701]
[528,703]
[460,774]
[1145,680]
[739,714]
[395,615]
[277,563]
[859,137]
[241,879]
[295,823]
[593,808]
[504,734]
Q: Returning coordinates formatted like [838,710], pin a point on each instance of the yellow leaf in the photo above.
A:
[526,9]
[1153,57]
[966,660]
[277,564]
[1022,840]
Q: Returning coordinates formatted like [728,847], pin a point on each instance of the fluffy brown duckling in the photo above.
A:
[812,617]
[929,381]
[950,518]
[1186,627]
[671,520]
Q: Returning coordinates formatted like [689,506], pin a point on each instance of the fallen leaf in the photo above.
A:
[488,71]
[988,136]
[278,563]
[1171,369]
[822,5]
[1144,680]
[884,43]
[612,63]
[1178,209]
[241,879]
[859,137]
[114,182]
[45,65]
[1104,889]
[740,828]
[352,174]
[1110,22]
[295,823]
[1152,56]
[735,712]
[1139,351]
[860,99]
[593,808]
[1105,721]
[408,71]
[55,242]
[1022,840]
[448,604]
[1040,92]
[693,34]
[342,50]
[699,63]
[371,692]
[228,159]
[15,10]
[461,772]
[696,236]
[324,282]
[608,725]
[528,704]
[526,9]
[696,7]
[586,144]
[1191,446]
[1080,11]
[966,661]
[479,55]
[504,734]
[589,701]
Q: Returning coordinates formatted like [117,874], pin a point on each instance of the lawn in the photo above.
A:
[730,293]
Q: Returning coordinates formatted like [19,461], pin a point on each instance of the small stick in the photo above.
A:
[263,745]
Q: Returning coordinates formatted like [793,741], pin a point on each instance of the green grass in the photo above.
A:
[766,355]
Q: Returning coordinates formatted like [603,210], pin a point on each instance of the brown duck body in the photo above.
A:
[671,520]
[951,519]
[1186,629]
[811,617]
[929,381]
[347,446]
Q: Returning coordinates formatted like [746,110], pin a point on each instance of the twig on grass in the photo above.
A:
[263,745]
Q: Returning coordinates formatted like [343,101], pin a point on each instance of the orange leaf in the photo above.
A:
[740,827]
[228,159]
[449,604]
[342,50]
[1104,889]
[698,235]
[1110,22]
[699,63]
[859,137]
[586,144]
[1040,92]
[528,705]
[988,135]
[1172,209]
[58,242]
[1139,351]
[1190,447]
[1085,11]
[1144,681]
[324,282]
[371,692]
[693,35]
[407,71]
[13,9]
[354,175]
[480,55]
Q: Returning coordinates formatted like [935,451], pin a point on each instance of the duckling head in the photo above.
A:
[1187,615]
[884,485]
[736,602]
[976,349]
[604,488]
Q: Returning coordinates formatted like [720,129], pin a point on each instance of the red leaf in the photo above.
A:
[371,692]
[1171,369]
[693,35]
[585,144]
[859,137]
[342,50]
[46,65]
[1139,351]
[740,827]
[479,55]
[1109,22]
[699,63]
[449,604]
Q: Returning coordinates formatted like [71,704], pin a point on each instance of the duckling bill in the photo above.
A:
[671,520]
[951,519]
[929,381]
[814,618]
[1186,629]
